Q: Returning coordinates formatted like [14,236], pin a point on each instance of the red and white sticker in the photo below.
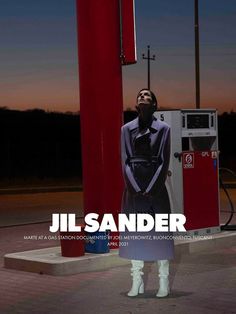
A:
[188,159]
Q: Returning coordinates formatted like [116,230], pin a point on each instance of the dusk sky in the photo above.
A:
[39,65]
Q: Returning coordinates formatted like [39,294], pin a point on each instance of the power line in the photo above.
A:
[148,58]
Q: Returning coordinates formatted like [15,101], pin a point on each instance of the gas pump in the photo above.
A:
[193,174]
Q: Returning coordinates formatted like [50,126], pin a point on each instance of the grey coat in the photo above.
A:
[146,177]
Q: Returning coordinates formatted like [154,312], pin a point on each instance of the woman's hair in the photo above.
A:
[154,99]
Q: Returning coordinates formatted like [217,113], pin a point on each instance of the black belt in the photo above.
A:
[134,159]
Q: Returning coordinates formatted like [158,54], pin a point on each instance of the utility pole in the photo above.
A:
[197,67]
[148,58]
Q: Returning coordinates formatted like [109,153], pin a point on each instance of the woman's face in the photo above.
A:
[145,104]
[144,98]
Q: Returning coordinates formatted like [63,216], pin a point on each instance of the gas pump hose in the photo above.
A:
[227,226]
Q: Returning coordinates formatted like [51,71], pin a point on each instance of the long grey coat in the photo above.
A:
[151,179]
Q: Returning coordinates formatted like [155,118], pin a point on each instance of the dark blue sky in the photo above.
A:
[38,55]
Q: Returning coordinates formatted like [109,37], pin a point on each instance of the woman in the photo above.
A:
[145,149]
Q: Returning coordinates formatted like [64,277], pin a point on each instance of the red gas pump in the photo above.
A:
[193,181]
[200,185]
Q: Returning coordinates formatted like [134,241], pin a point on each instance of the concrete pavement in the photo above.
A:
[200,282]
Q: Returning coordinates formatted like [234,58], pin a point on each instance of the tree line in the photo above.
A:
[35,143]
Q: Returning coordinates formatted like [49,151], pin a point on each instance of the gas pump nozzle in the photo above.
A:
[178,155]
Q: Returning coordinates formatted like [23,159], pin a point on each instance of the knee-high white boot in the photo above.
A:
[136,273]
[163,268]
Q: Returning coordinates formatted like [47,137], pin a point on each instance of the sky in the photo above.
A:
[39,64]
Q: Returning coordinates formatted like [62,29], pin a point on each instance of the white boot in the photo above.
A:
[164,289]
[136,272]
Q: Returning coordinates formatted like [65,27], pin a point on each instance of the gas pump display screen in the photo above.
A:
[197,121]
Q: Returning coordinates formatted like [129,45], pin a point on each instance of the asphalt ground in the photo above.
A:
[16,209]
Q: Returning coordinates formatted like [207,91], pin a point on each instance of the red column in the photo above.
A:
[101,106]
[128,31]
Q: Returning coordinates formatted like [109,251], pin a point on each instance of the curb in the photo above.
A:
[49,261]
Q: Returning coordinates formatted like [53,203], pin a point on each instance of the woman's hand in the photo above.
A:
[143,193]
